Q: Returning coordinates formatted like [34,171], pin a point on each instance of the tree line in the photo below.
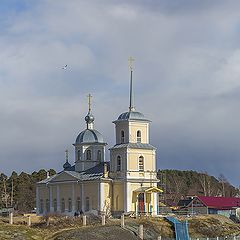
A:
[180,184]
[19,191]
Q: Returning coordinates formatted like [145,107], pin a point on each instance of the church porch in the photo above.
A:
[146,200]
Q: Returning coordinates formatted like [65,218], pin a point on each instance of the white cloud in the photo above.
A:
[186,78]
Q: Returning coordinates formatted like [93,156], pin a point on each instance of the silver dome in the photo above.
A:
[89,136]
[132,115]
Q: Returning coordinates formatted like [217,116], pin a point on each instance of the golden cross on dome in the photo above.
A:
[89,102]
[66,153]
[130,62]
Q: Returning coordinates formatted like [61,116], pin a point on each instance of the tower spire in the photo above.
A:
[131,104]
[89,118]
[89,102]
[66,155]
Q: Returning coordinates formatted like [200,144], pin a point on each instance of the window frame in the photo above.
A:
[88,154]
[55,205]
[119,163]
[139,136]
[70,205]
[63,205]
[78,155]
[122,136]
[141,164]
[99,155]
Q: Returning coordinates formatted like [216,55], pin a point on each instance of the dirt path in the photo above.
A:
[97,233]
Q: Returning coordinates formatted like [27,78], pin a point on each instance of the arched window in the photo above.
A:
[78,155]
[89,155]
[78,204]
[99,155]
[69,204]
[47,205]
[139,139]
[63,205]
[141,163]
[122,137]
[41,208]
[118,163]
[55,205]
[117,200]
[87,204]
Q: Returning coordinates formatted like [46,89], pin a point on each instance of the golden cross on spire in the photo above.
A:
[89,102]
[66,153]
[130,63]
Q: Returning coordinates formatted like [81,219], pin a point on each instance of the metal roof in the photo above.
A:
[132,115]
[134,145]
[220,202]
[89,136]
[93,173]
[148,190]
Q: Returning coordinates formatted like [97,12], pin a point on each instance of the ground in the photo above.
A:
[61,228]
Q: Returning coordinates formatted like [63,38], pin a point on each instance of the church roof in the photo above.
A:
[93,173]
[132,115]
[134,145]
[89,136]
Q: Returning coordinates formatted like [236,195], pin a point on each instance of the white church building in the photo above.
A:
[127,183]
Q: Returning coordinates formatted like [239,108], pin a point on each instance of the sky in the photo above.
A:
[186,79]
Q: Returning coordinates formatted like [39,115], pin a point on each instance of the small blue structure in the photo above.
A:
[181,228]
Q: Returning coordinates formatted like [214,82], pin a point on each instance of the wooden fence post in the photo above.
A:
[122,221]
[29,221]
[140,232]
[84,217]
[11,218]
[103,219]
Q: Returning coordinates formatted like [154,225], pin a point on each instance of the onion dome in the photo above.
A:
[66,165]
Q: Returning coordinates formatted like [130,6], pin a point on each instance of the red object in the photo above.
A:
[221,203]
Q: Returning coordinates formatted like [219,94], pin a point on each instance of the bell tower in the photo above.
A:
[133,160]
[132,156]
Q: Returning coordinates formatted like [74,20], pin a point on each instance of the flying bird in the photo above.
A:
[65,67]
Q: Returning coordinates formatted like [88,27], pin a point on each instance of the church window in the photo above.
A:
[41,206]
[87,204]
[69,204]
[139,136]
[63,205]
[99,155]
[55,204]
[78,155]
[118,163]
[47,205]
[78,204]
[117,200]
[122,137]
[141,163]
[89,155]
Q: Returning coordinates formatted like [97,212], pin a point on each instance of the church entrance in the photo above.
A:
[141,207]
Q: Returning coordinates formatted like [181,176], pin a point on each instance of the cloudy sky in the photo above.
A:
[186,78]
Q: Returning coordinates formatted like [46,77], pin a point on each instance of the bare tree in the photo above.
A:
[202,181]
[223,182]
[5,195]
